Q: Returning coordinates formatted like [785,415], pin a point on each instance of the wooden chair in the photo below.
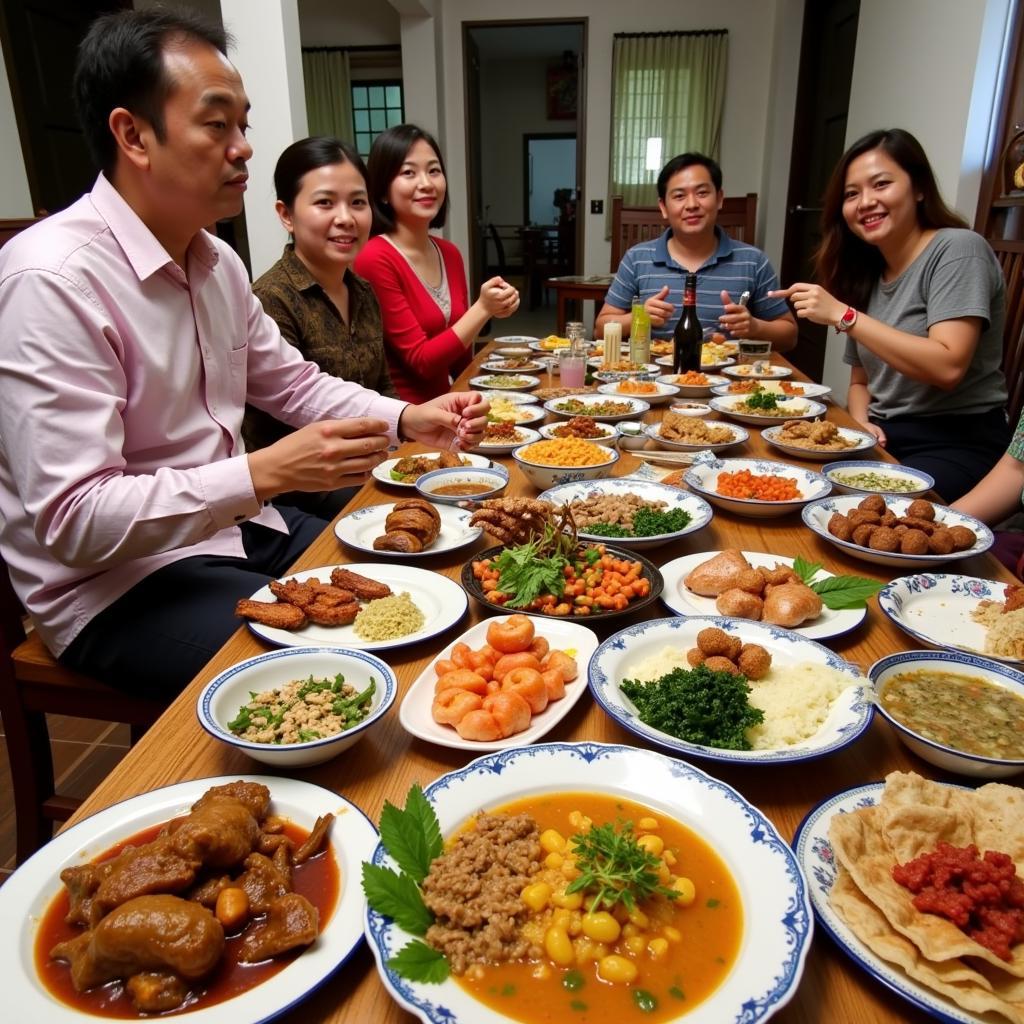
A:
[1011,258]
[9,228]
[632,224]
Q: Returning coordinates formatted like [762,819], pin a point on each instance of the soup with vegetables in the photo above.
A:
[966,713]
[630,916]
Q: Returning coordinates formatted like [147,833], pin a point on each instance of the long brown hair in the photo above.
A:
[847,266]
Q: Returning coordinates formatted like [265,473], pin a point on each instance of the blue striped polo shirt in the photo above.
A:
[646,268]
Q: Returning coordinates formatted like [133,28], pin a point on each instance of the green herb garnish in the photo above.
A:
[644,1000]
[412,836]
[573,981]
[647,522]
[837,592]
[607,530]
[419,962]
[761,399]
[614,868]
[537,567]
[698,706]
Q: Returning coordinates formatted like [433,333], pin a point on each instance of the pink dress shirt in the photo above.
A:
[122,389]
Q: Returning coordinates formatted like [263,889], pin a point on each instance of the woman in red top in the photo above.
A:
[420,280]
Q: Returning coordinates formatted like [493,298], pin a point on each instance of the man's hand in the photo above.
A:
[455,420]
[319,457]
[658,309]
[736,319]
[812,302]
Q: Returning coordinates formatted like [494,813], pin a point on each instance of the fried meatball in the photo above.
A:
[883,539]
[862,533]
[754,661]
[735,646]
[720,664]
[839,526]
[872,503]
[713,640]
[859,516]
[963,537]
[888,518]
[695,656]
[740,604]
[921,509]
[941,541]
[916,523]
[912,542]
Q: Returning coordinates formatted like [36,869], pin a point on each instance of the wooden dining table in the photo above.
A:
[389,760]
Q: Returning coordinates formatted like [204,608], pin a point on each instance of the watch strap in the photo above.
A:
[847,320]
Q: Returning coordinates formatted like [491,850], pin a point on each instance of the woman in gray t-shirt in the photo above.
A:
[921,299]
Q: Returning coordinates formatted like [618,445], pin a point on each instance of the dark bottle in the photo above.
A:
[689,335]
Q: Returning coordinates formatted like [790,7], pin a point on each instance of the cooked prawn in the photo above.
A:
[555,683]
[509,662]
[479,725]
[511,636]
[452,705]
[539,648]
[559,659]
[529,684]
[510,710]
[462,679]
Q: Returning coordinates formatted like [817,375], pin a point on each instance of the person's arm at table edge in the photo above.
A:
[997,495]
[857,400]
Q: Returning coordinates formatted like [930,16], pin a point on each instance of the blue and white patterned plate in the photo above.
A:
[935,608]
[703,479]
[776,912]
[359,529]
[617,657]
[817,860]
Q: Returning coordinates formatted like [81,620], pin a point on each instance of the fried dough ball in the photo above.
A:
[720,664]
[740,604]
[859,516]
[862,533]
[840,526]
[754,661]
[921,509]
[963,537]
[888,518]
[713,640]
[872,503]
[913,542]
[926,526]
[941,541]
[695,656]
[735,646]
[883,539]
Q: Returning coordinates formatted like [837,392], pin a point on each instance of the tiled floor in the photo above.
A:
[84,753]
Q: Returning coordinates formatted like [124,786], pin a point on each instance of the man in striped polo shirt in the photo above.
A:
[653,272]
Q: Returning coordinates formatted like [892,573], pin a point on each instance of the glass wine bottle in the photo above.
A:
[689,335]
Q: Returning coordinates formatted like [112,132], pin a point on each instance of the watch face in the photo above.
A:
[848,319]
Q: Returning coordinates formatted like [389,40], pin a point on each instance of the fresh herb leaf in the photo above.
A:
[614,867]
[419,962]
[676,992]
[837,592]
[573,981]
[398,897]
[806,570]
[525,575]
[644,1000]
[412,836]
[607,530]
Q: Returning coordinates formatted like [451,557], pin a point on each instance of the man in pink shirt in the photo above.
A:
[131,517]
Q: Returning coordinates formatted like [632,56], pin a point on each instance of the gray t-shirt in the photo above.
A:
[956,276]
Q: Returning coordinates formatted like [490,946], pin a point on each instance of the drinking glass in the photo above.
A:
[572,368]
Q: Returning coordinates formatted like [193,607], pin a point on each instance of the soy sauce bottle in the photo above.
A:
[689,335]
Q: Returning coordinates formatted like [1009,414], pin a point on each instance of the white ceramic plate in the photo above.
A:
[359,529]
[498,367]
[699,510]
[747,371]
[637,407]
[25,896]
[562,634]
[527,414]
[817,514]
[382,472]
[809,390]
[609,433]
[727,405]
[693,390]
[515,397]
[739,435]
[538,347]
[502,382]
[515,339]
[705,367]
[860,440]
[662,393]
[684,601]
[935,608]
[704,478]
[441,600]
[777,922]
[526,436]
[817,860]
[849,716]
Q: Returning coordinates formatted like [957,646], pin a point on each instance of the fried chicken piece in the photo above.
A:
[1014,598]
[883,538]
[862,533]
[326,614]
[840,526]
[795,428]
[741,604]
[718,574]
[449,460]
[363,587]
[941,541]
[294,592]
[276,614]
[779,575]
[398,540]
[926,526]
[791,604]
[823,432]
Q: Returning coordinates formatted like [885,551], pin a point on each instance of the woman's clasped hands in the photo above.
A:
[499,298]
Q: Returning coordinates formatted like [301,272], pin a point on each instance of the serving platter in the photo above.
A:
[515,339]
[759,370]
[588,403]
[562,634]
[739,435]
[860,440]
[662,392]
[935,608]
[504,447]
[683,601]
[817,861]
[25,896]
[360,528]
[442,601]
[703,479]
[693,390]
[382,471]
[789,409]
[777,917]
[810,389]
[705,365]
[497,366]
[848,718]
[512,382]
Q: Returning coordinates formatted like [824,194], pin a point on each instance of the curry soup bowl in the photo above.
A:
[856,477]
[966,709]
[544,476]
[609,435]
[224,696]
[459,483]
[703,478]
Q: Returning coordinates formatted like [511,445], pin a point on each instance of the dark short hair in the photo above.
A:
[121,64]
[680,163]
[846,265]
[387,154]
[307,155]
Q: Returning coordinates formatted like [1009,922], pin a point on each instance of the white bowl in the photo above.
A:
[226,693]
[699,510]
[727,406]
[587,404]
[632,436]
[609,436]
[861,440]
[921,482]
[548,476]
[696,409]
[494,477]
[939,754]
[703,479]
[662,393]
[739,435]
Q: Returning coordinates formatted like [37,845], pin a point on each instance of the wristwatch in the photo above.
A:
[847,320]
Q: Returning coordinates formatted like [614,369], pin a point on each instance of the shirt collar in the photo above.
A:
[140,246]
[724,249]
[297,271]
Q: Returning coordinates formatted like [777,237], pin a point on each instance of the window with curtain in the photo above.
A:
[667,97]
[328,92]
[375,106]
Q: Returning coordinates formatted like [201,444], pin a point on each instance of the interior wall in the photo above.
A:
[343,23]
[15,198]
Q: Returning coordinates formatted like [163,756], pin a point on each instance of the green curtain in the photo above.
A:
[668,86]
[328,93]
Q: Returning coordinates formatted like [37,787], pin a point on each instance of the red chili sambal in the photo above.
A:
[981,895]
[317,879]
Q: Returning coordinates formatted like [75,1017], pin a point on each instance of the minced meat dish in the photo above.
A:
[473,890]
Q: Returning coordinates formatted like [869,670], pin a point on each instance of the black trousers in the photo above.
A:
[956,450]
[157,636]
